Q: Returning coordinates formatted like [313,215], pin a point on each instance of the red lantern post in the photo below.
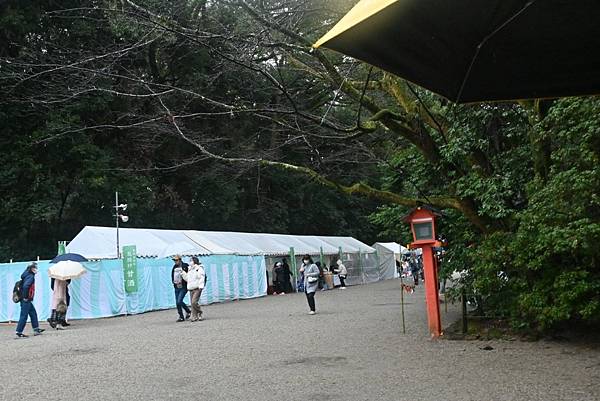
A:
[422,224]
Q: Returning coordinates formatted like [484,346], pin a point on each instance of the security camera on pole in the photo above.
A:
[118,216]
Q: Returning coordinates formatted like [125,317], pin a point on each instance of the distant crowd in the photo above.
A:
[192,278]
[186,278]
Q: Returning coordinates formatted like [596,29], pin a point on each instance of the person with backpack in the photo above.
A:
[180,286]
[27,308]
[195,278]
[311,281]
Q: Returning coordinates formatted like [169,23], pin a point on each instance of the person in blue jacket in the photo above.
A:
[27,308]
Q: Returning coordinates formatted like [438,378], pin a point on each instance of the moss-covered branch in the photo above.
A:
[442,202]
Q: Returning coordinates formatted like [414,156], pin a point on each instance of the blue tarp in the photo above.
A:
[101,292]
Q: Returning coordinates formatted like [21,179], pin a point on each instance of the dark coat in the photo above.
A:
[284,273]
[414,266]
[28,286]
[184,266]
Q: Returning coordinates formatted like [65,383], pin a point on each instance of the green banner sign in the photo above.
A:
[293,262]
[62,247]
[130,268]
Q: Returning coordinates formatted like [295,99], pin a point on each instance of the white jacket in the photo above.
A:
[194,277]
[341,269]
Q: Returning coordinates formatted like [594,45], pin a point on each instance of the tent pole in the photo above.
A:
[378,265]
[294,267]
[360,267]
[117,223]
[402,304]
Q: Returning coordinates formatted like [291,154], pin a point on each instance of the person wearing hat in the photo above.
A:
[180,286]
[27,307]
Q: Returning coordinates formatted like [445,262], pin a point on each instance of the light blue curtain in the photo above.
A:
[101,293]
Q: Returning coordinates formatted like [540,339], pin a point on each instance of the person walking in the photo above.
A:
[342,272]
[311,281]
[286,274]
[414,269]
[27,308]
[59,303]
[277,278]
[195,284]
[283,278]
[180,286]
[322,285]
[64,322]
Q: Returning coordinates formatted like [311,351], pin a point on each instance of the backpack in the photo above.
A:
[16,295]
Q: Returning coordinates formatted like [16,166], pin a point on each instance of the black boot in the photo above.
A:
[60,318]
[52,319]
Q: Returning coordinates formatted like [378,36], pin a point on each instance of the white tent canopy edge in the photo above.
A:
[100,243]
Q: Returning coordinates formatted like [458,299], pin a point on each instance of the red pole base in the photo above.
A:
[431,292]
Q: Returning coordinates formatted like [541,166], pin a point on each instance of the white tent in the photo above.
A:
[389,253]
[100,243]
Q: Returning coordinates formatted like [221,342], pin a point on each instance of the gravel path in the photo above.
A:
[271,349]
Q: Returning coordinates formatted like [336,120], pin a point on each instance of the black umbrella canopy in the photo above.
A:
[476,50]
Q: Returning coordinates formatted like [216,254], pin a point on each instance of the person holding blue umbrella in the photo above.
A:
[60,303]
[60,288]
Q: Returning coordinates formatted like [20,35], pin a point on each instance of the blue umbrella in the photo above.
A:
[74,257]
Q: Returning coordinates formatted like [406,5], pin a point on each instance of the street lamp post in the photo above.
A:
[119,216]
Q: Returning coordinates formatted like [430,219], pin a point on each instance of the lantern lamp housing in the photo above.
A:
[422,224]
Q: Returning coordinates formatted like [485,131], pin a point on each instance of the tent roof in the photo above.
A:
[100,243]
[392,246]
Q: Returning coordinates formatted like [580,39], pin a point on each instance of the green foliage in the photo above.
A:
[556,245]
[541,266]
